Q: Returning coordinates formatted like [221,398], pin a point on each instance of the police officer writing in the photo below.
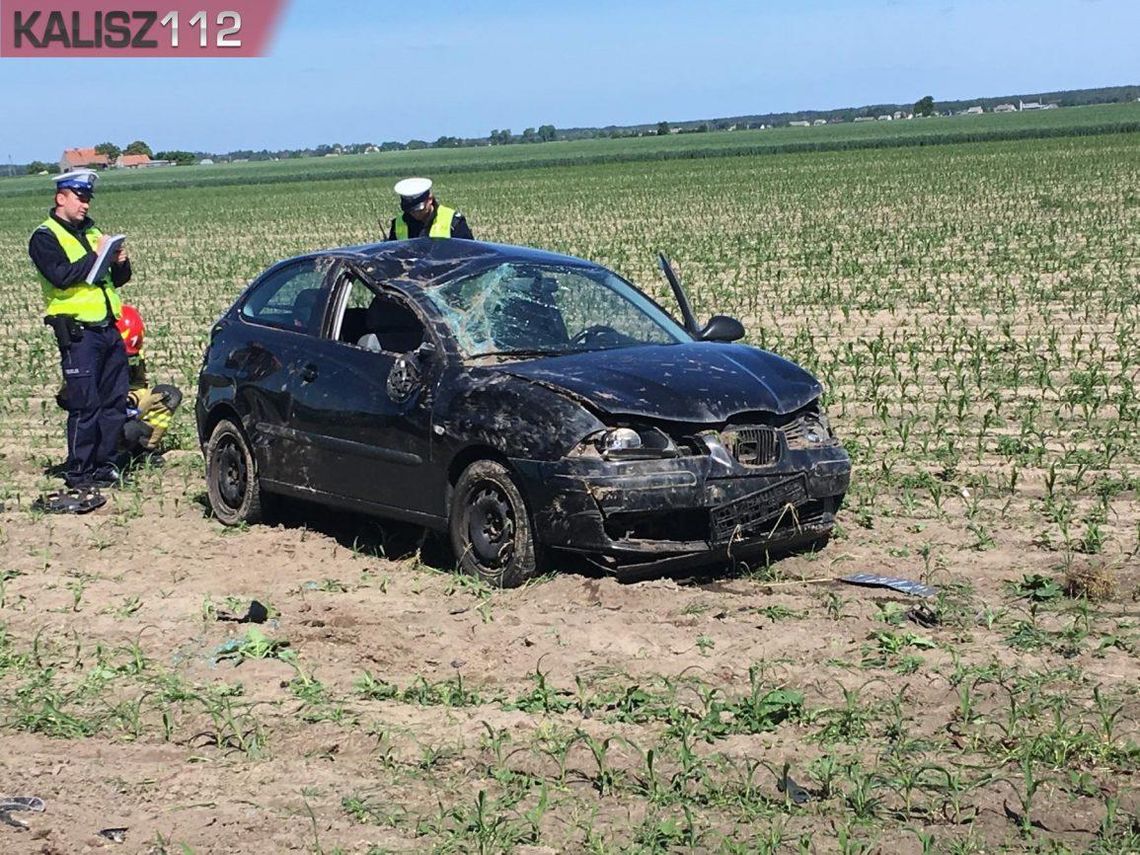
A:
[82,315]
[423,215]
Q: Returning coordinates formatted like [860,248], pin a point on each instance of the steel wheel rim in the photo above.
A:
[491,525]
[232,477]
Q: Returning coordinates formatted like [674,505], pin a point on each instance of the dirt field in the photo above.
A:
[404,693]
[978,339]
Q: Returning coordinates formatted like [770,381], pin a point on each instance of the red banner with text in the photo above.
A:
[137,28]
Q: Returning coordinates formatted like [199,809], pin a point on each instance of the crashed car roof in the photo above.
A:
[430,261]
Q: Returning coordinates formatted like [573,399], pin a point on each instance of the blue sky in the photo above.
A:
[354,71]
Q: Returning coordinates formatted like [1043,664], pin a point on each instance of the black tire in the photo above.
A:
[492,535]
[231,476]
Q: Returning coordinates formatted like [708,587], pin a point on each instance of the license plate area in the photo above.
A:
[748,515]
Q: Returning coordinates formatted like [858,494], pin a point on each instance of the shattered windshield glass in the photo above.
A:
[525,309]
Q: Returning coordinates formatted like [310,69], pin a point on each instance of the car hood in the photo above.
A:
[692,382]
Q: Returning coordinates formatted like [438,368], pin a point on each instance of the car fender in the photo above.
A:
[515,417]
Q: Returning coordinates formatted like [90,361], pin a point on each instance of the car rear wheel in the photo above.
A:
[490,526]
[231,476]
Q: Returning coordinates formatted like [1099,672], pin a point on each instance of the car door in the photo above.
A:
[281,316]
[363,403]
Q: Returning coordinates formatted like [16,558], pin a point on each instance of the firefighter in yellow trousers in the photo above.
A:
[149,409]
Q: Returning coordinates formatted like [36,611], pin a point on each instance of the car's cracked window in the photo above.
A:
[553,309]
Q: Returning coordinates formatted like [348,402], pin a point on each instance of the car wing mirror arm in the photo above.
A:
[688,318]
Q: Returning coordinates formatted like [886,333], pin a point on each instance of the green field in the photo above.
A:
[973,309]
[938,130]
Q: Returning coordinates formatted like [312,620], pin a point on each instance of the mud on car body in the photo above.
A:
[522,401]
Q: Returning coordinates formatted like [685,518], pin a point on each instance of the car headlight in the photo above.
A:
[808,431]
[618,440]
[626,443]
[814,431]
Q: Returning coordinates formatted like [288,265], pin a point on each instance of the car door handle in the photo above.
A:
[309,373]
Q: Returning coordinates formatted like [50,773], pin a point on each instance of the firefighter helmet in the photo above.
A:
[132,329]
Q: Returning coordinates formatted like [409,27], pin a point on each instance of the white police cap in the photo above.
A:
[80,180]
[412,188]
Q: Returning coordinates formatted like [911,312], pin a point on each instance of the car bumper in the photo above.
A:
[684,510]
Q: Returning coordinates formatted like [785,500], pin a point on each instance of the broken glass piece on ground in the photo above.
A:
[895,583]
[115,835]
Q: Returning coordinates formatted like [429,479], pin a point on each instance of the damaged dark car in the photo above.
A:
[524,402]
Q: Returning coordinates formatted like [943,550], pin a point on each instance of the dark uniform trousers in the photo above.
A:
[95,374]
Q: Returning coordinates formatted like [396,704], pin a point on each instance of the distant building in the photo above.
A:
[820,122]
[1030,105]
[973,111]
[799,124]
[886,117]
[206,161]
[139,161]
[1005,108]
[864,118]
[85,158]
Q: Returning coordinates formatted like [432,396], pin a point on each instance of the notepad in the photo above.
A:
[105,257]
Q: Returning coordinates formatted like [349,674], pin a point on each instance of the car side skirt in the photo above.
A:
[432,521]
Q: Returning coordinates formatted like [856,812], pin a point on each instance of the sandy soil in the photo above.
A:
[130,597]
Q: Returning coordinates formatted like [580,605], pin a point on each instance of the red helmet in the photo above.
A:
[132,329]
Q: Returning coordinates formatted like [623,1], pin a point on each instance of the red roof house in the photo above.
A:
[76,158]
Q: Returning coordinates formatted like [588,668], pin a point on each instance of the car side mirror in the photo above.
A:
[722,328]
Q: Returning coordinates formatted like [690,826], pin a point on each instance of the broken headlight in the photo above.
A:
[808,431]
[626,443]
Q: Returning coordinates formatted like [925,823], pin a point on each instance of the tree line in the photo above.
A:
[925,106]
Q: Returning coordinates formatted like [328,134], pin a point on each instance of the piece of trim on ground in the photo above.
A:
[895,583]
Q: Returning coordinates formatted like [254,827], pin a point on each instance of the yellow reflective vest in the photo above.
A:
[440,227]
[84,302]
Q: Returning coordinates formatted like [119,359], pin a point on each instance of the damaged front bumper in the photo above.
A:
[684,510]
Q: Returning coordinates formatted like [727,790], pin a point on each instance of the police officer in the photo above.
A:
[423,215]
[82,315]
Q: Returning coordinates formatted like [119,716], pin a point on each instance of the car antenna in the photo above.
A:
[679,293]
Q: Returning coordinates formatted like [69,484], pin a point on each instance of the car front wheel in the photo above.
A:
[490,526]
[231,476]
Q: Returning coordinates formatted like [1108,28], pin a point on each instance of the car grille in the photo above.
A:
[753,446]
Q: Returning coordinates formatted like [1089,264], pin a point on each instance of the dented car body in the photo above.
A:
[520,400]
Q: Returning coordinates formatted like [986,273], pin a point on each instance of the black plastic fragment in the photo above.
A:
[924,616]
[794,791]
[256,613]
[8,804]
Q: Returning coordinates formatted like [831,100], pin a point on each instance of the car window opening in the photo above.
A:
[378,322]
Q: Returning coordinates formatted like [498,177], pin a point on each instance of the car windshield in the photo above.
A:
[537,309]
